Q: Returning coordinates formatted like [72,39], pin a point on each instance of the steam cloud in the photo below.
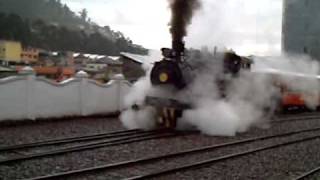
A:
[250,99]
[182,12]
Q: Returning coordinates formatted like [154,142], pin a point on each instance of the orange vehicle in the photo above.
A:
[292,99]
[297,91]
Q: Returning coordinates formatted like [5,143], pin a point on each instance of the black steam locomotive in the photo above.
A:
[173,70]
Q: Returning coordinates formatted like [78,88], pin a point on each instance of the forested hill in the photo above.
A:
[51,11]
[52,25]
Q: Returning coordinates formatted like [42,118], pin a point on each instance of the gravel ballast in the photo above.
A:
[277,164]
[55,129]
[261,162]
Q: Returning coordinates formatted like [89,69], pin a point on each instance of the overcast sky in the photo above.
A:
[247,26]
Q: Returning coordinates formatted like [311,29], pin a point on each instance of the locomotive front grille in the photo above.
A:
[168,117]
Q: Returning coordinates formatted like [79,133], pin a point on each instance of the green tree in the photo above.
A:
[84,14]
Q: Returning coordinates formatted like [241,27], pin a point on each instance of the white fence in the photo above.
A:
[30,97]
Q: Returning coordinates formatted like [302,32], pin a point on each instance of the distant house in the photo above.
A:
[29,55]
[114,66]
[54,72]
[95,65]
[132,64]
[80,61]
[96,70]
[53,65]
[63,59]
[45,59]
[99,67]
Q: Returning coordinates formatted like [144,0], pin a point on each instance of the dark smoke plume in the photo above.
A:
[182,12]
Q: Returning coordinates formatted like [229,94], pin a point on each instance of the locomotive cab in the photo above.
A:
[233,63]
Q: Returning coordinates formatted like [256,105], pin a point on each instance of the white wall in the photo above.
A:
[29,97]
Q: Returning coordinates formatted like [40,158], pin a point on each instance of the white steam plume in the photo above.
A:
[248,100]
[247,26]
[299,73]
[251,98]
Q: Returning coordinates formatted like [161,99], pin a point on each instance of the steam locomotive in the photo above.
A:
[174,71]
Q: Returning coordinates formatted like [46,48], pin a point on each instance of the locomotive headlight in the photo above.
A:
[163,77]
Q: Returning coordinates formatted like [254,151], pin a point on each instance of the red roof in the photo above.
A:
[68,71]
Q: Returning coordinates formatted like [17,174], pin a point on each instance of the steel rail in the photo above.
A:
[114,135]
[208,162]
[295,119]
[89,146]
[172,155]
[308,174]
[69,140]
[299,114]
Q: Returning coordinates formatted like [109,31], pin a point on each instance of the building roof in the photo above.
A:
[110,61]
[114,57]
[51,70]
[152,57]
[100,59]
[78,55]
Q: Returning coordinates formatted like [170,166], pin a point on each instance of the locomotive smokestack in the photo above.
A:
[182,12]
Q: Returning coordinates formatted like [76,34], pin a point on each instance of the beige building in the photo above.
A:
[10,51]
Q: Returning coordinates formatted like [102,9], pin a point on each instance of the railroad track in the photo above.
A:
[301,115]
[308,174]
[123,133]
[208,162]
[69,140]
[117,138]
[294,118]
[190,152]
